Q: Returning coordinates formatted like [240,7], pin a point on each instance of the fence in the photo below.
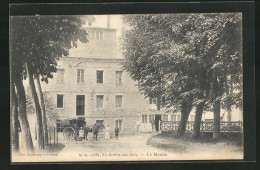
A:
[171,126]
[53,137]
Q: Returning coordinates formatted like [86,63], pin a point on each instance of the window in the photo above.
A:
[144,118]
[80,104]
[89,34]
[173,117]
[151,117]
[59,126]
[119,102]
[165,117]
[178,117]
[119,124]
[80,76]
[99,76]
[59,101]
[101,35]
[118,77]
[97,35]
[100,101]
[152,100]
[60,76]
[93,35]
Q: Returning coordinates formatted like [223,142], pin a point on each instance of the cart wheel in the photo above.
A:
[69,134]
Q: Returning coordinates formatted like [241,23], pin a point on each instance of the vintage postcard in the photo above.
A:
[135,87]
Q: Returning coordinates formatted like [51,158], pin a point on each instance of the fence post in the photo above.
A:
[57,135]
[202,127]
[160,128]
[54,134]
[50,135]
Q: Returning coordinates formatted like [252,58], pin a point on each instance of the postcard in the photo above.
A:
[128,87]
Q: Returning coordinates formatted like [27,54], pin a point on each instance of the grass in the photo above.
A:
[185,144]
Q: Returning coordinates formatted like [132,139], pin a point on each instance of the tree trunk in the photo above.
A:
[216,106]
[229,113]
[216,129]
[231,94]
[25,128]
[44,121]
[40,137]
[14,121]
[185,112]
[159,102]
[197,121]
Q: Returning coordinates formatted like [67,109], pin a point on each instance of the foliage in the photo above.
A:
[49,107]
[176,55]
[42,40]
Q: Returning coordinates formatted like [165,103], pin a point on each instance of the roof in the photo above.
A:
[101,28]
[112,60]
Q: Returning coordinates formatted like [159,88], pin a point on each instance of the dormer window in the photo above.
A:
[93,35]
[101,35]
[96,35]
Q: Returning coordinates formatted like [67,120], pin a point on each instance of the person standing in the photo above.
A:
[137,126]
[107,134]
[153,123]
[116,132]
[81,134]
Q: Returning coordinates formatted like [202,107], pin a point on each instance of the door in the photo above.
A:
[119,125]
[101,125]
[80,105]
[157,119]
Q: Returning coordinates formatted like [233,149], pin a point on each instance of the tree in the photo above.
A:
[150,58]
[17,90]
[42,105]
[14,119]
[184,49]
[25,128]
[38,42]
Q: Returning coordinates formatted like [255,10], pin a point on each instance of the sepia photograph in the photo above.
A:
[128,87]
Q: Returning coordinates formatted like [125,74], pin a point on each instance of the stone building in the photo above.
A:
[90,84]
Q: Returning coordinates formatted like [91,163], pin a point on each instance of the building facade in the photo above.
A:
[90,84]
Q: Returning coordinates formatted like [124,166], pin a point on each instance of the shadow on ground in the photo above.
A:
[55,148]
[182,144]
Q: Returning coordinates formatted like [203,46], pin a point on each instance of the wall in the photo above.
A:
[105,48]
[133,104]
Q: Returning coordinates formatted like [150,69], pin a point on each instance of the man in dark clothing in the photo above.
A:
[116,132]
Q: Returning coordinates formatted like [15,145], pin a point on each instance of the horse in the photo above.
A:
[94,129]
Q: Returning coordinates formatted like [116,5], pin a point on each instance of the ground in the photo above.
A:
[144,146]
[154,146]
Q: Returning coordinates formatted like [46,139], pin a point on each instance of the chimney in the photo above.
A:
[108,21]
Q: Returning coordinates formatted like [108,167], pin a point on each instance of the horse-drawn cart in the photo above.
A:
[72,127]
[71,130]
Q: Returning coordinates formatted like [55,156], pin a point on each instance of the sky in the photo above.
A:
[115,22]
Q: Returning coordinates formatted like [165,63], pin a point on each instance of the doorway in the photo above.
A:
[101,125]
[158,117]
[80,105]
